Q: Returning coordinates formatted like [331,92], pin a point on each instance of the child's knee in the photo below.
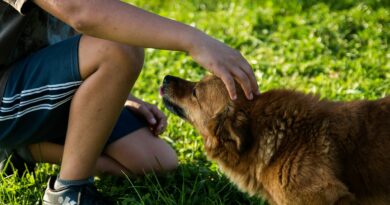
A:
[142,152]
[166,159]
[159,158]
[95,54]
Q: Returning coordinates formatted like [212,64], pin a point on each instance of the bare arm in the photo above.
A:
[121,22]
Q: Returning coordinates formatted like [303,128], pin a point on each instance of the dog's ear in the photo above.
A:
[231,127]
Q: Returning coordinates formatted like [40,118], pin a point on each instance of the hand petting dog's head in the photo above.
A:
[206,104]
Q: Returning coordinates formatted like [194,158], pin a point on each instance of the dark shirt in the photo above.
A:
[38,30]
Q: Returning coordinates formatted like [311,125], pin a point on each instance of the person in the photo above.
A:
[68,75]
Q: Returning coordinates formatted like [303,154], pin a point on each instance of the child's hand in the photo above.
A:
[226,63]
[155,117]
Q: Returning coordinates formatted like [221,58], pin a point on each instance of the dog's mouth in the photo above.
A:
[171,106]
[175,109]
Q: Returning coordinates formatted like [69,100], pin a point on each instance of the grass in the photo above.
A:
[337,48]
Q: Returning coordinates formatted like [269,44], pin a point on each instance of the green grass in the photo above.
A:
[337,48]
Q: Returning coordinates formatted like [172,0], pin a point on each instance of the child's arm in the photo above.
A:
[121,22]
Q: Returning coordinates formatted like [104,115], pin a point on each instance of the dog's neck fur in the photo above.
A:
[273,124]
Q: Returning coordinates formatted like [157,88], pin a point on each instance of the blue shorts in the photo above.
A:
[37,97]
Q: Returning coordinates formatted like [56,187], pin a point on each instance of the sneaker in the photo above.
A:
[10,161]
[86,194]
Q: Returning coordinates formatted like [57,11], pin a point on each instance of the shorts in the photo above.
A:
[36,101]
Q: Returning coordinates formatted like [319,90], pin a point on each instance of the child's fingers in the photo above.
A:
[161,118]
[229,83]
[243,80]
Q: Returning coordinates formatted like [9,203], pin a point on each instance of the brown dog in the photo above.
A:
[289,147]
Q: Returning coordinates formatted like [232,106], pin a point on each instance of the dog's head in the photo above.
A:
[223,123]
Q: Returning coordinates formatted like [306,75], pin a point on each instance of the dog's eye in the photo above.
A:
[194,92]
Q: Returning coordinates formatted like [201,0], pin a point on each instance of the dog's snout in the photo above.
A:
[169,79]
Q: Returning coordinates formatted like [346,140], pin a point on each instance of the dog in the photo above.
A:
[288,147]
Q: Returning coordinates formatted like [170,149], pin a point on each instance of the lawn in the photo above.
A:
[338,49]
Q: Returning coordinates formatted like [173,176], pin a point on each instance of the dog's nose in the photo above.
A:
[168,79]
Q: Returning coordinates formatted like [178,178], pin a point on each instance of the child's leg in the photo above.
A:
[49,152]
[109,70]
[142,152]
[131,148]
[136,153]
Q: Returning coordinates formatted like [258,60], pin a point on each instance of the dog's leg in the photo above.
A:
[346,200]
[309,182]
[328,193]
[332,195]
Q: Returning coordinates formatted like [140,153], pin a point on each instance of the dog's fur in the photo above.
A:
[290,147]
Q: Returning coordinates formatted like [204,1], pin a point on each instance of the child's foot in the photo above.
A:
[86,194]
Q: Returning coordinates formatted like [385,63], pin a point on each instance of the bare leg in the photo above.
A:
[141,152]
[48,152]
[109,70]
[137,153]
